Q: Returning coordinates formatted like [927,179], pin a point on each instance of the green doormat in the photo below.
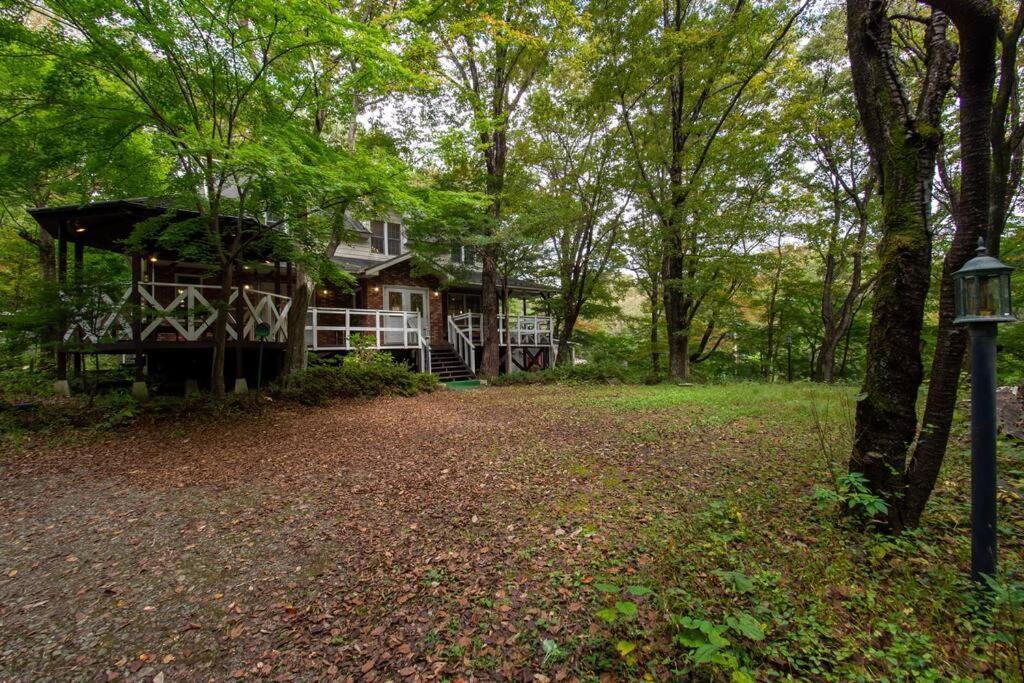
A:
[463,384]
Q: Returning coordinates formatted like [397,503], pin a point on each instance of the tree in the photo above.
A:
[903,139]
[218,83]
[575,151]
[354,173]
[981,207]
[489,54]
[683,75]
[841,187]
[643,257]
[62,139]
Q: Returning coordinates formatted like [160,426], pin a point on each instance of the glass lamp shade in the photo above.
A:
[982,290]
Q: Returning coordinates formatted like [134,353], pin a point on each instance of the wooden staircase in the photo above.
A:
[447,365]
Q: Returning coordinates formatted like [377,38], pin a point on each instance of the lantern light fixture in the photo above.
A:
[982,290]
[982,300]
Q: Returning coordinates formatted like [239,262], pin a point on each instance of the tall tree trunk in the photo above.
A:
[1005,144]
[48,269]
[677,321]
[978,26]
[903,140]
[489,313]
[565,336]
[295,352]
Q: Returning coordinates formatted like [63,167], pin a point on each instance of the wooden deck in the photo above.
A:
[181,316]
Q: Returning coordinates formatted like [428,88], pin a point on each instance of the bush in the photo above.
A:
[586,373]
[352,378]
[24,382]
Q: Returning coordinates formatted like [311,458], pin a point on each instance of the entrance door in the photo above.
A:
[413,299]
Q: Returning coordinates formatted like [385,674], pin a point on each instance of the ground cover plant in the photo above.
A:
[539,532]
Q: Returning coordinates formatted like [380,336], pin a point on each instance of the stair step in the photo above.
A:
[448,365]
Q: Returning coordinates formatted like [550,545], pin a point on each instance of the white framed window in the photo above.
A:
[385,238]
[463,254]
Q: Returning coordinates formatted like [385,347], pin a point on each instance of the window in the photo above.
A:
[463,254]
[463,303]
[385,238]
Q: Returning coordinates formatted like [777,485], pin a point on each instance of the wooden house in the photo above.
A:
[161,316]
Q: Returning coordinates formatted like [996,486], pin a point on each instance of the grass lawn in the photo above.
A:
[526,533]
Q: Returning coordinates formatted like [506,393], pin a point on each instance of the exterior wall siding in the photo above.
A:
[399,276]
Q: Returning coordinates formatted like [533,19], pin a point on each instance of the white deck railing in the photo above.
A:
[526,330]
[334,329]
[180,312]
[172,312]
[530,331]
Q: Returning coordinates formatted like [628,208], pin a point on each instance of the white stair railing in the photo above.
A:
[462,344]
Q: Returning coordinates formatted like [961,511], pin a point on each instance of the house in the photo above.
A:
[161,315]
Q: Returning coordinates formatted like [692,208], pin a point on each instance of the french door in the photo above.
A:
[409,299]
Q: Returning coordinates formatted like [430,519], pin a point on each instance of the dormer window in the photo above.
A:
[385,238]
[463,254]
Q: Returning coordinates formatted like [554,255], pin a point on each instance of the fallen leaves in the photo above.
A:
[315,543]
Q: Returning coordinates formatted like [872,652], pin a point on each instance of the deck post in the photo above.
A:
[240,384]
[76,280]
[139,389]
[61,386]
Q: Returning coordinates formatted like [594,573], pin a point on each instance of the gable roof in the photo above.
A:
[372,268]
[384,265]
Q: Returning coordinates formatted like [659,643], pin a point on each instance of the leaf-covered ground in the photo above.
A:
[521,533]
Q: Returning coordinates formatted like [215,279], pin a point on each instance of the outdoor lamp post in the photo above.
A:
[982,292]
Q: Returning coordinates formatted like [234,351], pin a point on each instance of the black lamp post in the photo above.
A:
[982,291]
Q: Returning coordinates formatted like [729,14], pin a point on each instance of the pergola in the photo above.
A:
[107,226]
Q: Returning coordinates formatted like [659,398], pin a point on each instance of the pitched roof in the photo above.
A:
[373,267]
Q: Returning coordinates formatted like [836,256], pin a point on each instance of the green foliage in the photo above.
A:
[364,352]
[356,378]
[43,415]
[1004,609]
[22,380]
[852,494]
[586,373]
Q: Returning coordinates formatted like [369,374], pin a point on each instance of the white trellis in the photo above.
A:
[187,311]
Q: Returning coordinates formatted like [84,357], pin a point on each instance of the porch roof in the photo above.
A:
[107,224]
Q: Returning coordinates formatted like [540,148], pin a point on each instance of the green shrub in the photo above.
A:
[586,373]
[24,382]
[318,384]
